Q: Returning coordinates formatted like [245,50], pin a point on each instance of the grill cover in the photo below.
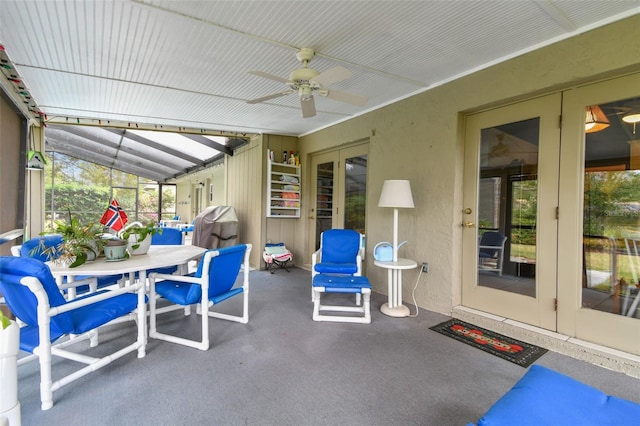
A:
[216,227]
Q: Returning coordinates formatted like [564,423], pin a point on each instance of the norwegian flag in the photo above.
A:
[115,218]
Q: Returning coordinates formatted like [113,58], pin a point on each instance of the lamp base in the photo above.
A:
[398,312]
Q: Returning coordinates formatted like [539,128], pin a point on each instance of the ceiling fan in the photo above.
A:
[307,81]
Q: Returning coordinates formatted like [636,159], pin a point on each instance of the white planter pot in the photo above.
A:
[92,255]
[9,348]
[144,245]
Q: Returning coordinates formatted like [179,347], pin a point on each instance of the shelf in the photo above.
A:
[283,189]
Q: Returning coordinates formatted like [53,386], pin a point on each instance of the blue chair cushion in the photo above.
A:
[336,268]
[340,246]
[33,247]
[169,236]
[179,293]
[21,300]
[223,272]
[84,319]
[490,239]
[546,397]
[341,284]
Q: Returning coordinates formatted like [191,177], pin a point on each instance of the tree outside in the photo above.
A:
[85,190]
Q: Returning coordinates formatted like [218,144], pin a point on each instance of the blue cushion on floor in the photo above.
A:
[546,397]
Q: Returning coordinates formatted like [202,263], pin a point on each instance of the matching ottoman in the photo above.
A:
[327,283]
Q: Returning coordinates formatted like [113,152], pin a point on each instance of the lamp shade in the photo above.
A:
[397,194]
[596,119]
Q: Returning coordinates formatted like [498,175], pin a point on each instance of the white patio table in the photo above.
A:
[159,256]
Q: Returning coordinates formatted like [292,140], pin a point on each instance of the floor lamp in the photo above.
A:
[395,194]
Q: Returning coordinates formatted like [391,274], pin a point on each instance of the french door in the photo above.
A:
[338,191]
[599,260]
[511,194]
[551,215]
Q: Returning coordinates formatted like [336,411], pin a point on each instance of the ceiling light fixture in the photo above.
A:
[305,93]
[632,118]
[596,119]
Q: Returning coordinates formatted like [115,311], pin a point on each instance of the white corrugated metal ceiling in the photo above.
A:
[185,64]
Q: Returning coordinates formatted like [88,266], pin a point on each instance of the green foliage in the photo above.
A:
[141,231]
[77,242]
[4,320]
[355,205]
[606,199]
[86,203]
[86,189]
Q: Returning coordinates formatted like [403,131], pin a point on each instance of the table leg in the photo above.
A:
[395,308]
[142,313]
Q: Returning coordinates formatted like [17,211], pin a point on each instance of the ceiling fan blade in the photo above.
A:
[328,77]
[270,76]
[349,98]
[308,107]
[272,96]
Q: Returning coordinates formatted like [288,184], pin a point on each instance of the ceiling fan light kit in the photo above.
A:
[306,81]
[632,118]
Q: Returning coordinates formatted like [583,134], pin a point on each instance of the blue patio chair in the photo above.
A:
[169,236]
[31,293]
[491,248]
[187,228]
[337,268]
[211,284]
[340,253]
[34,248]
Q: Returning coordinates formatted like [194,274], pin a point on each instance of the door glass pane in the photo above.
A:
[355,190]
[324,199]
[611,226]
[507,206]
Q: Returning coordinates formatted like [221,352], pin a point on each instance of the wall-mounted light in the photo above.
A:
[596,119]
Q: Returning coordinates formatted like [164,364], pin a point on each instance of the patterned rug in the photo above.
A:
[515,351]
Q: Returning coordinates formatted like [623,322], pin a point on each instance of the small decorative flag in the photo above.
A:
[115,218]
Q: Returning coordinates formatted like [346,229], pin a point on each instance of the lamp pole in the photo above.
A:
[395,234]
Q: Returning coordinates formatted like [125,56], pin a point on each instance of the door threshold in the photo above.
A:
[592,353]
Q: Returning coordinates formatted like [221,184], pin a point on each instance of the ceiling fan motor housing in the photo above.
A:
[302,76]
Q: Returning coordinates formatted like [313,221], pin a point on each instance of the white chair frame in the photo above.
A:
[46,350]
[202,307]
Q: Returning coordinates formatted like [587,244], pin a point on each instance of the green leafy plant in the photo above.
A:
[5,320]
[78,241]
[142,231]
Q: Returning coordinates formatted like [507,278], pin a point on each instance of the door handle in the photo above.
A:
[312,217]
[468,224]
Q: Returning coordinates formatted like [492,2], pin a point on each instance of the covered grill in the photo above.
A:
[216,227]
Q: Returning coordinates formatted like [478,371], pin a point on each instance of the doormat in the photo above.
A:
[515,351]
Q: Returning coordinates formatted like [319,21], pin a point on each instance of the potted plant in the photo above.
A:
[80,243]
[9,348]
[115,249]
[139,236]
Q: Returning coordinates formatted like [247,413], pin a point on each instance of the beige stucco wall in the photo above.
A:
[420,139]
